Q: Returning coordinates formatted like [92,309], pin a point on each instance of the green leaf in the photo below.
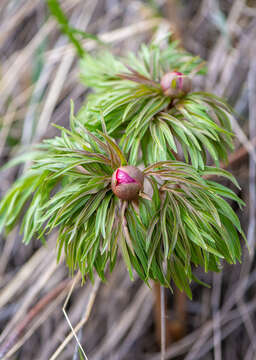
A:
[57,12]
[126,255]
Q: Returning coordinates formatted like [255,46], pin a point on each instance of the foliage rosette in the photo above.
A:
[138,110]
[179,221]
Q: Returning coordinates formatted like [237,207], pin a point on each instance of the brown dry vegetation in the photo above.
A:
[38,77]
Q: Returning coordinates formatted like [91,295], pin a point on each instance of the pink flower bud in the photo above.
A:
[127,182]
[175,84]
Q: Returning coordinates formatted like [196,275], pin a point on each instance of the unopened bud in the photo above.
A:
[127,182]
[175,84]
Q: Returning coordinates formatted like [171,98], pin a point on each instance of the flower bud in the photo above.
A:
[127,182]
[175,84]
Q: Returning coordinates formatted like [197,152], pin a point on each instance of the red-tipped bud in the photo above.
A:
[127,182]
[175,84]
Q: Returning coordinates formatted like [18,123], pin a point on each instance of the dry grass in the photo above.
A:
[38,77]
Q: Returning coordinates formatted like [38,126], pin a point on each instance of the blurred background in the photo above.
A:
[39,74]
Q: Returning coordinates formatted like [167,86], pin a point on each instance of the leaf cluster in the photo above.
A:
[179,221]
[135,109]
[183,221]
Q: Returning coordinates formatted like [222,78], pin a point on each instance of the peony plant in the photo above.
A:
[130,176]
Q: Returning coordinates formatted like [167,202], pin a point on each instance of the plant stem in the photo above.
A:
[163,323]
